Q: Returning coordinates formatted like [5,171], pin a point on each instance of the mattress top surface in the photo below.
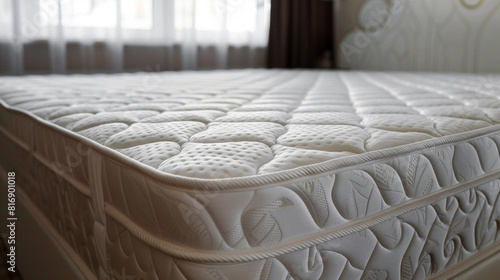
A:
[239,123]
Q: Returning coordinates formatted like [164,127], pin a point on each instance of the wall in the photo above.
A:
[418,35]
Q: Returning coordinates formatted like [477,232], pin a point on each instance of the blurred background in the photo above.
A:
[107,36]
[96,36]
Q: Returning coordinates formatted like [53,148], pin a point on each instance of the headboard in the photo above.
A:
[418,35]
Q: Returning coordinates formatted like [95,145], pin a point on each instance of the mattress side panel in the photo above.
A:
[415,245]
[67,208]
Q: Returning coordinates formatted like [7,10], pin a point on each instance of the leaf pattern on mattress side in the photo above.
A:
[355,195]
[457,225]
[273,269]
[374,275]
[484,147]
[390,184]
[362,202]
[235,237]
[176,273]
[411,174]
[196,230]
[388,233]
[337,266]
[440,159]
[406,268]
[489,191]
[495,215]
[467,200]
[485,229]
[466,163]
[259,225]
[351,207]
[304,264]
[183,224]
[420,177]
[424,266]
[314,261]
[315,199]
[216,274]
[453,244]
[422,219]
[454,250]
[425,262]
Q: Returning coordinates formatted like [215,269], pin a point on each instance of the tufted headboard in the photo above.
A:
[418,35]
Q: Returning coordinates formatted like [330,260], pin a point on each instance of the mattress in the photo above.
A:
[260,174]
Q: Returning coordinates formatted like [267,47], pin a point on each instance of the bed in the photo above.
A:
[258,174]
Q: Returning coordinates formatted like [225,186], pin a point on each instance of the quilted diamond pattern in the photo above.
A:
[310,112]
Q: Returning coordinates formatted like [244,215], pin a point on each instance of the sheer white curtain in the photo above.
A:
[189,24]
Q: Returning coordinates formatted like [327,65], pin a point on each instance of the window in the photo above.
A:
[135,14]
[202,22]
[233,15]
[238,20]
[5,18]
[200,30]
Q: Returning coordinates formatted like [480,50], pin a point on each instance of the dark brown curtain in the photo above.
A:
[300,33]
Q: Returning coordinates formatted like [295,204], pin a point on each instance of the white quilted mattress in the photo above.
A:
[260,174]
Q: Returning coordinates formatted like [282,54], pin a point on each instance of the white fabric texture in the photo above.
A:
[281,174]
[188,23]
[263,120]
